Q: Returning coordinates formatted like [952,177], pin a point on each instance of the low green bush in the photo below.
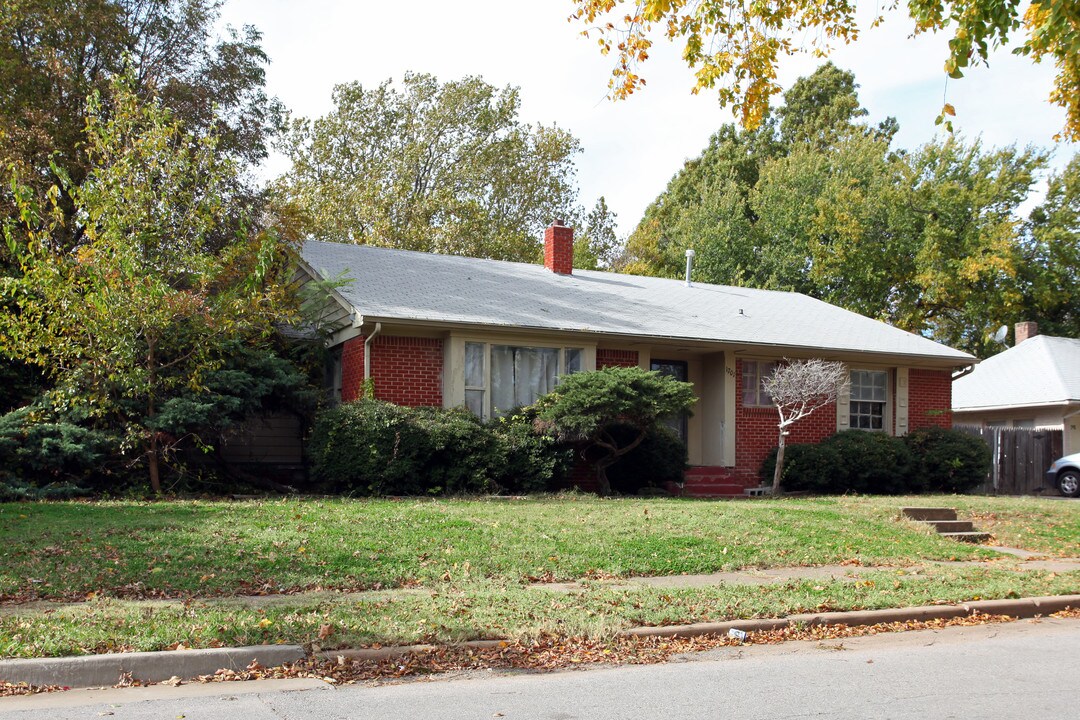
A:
[948,461]
[855,461]
[873,463]
[811,468]
[660,458]
[44,454]
[369,447]
[531,461]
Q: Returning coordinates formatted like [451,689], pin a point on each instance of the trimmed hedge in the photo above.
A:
[872,463]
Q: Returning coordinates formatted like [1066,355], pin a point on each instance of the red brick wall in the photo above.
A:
[406,370]
[756,431]
[559,249]
[929,398]
[352,368]
[615,358]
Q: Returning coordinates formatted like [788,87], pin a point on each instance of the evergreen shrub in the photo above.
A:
[948,461]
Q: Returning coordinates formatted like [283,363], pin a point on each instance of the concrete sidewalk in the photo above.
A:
[106,670]
[1019,559]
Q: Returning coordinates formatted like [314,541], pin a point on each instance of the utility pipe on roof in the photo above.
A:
[689,264]
[367,351]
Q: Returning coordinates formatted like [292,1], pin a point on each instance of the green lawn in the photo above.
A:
[465,566]
[480,609]
[173,549]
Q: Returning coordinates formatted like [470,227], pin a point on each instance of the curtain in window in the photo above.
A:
[519,375]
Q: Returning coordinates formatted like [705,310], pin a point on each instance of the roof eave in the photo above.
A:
[1016,406]
[937,360]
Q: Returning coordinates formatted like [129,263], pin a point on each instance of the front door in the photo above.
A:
[676,369]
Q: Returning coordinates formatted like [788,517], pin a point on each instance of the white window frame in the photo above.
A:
[485,389]
[886,404]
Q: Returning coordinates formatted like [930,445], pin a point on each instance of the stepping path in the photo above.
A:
[944,521]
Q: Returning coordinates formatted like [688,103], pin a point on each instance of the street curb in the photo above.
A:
[386,653]
[106,670]
[1017,608]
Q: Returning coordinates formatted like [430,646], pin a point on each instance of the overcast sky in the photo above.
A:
[630,148]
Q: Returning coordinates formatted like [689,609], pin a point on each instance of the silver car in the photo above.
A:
[1064,475]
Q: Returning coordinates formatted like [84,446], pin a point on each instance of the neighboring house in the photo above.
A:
[1034,384]
[490,335]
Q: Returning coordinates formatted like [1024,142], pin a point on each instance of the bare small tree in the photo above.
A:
[798,388]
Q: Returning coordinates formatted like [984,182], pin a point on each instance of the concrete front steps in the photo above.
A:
[944,522]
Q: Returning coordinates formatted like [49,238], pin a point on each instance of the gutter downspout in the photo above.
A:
[367,351]
[965,371]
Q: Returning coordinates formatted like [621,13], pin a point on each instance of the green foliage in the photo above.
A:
[857,461]
[596,244]
[1051,257]
[735,47]
[251,380]
[659,459]
[587,408]
[927,240]
[53,55]
[926,460]
[531,461]
[151,302]
[438,167]
[369,447]
[948,461]
[43,454]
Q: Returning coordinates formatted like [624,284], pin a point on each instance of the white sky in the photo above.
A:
[630,148]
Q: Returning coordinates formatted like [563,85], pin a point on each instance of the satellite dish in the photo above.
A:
[1000,333]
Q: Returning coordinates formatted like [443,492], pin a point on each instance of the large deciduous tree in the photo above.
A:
[734,47]
[1050,265]
[55,53]
[430,166]
[930,240]
[151,301]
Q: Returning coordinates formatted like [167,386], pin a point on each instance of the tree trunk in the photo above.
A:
[603,484]
[152,461]
[152,453]
[779,464]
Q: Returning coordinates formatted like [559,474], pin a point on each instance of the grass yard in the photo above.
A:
[481,609]
[447,570]
[65,551]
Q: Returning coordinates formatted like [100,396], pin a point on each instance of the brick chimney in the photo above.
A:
[1025,330]
[559,248]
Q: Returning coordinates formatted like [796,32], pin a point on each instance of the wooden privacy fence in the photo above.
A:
[1019,458]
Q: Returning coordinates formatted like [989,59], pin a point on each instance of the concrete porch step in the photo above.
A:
[928,513]
[950,526]
[971,537]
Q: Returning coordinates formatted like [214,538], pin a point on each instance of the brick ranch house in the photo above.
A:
[489,335]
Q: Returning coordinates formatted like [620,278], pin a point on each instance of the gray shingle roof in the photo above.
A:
[397,284]
[1043,370]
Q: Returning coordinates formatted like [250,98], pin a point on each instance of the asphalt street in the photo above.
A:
[1025,669]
